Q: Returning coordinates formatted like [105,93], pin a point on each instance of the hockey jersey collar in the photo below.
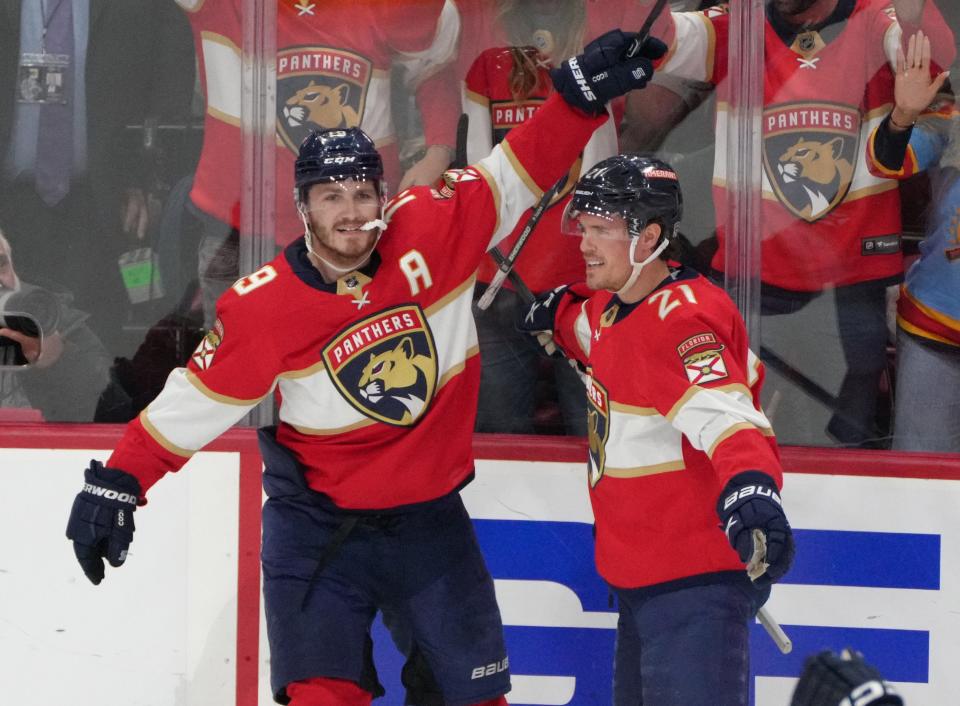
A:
[296,255]
[788,32]
[621,310]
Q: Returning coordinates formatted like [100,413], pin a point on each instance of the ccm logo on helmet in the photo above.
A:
[581,81]
[339,160]
[746,491]
[109,494]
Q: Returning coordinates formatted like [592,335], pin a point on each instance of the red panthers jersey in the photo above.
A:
[377,373]
[333,70]
[547,258]
[673,414]
[825,219]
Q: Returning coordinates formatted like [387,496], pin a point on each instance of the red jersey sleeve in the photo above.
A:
[708,383]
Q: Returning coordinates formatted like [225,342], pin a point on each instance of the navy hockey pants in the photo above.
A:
[688,646]
[421,567]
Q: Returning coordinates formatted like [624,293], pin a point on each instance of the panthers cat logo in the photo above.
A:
[398,377]
[808,154]
[319,89]
[386,365]
[598,429]
[322,106]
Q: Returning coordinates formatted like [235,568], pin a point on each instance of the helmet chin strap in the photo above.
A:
[369,225]
[638,266]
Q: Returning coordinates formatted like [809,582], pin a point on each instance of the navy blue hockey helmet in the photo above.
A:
[335,155]
[638,189]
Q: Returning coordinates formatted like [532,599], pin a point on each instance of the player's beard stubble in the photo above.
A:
[343,249]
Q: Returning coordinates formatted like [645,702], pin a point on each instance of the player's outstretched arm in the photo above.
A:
[752,517]
[101,520]
[603,71]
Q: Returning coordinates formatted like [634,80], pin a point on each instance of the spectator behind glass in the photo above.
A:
[333,70]
[828,225]
[503,87]
[68,365]
[71,173]
[927,404]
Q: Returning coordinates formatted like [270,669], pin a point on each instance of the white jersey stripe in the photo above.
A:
[184,418]
[708,414]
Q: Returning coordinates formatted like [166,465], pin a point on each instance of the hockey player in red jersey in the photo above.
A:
[679,450]
[362,329]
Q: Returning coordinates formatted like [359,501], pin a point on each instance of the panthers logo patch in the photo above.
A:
[598,429]
[319,88]
[386,365]
[809,152]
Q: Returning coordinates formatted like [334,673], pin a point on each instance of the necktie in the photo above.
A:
[55,138]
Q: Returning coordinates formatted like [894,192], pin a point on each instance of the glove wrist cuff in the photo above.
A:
[746,486]
[103,491]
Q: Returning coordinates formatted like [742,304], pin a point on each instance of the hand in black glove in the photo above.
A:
[587,81]
[829,679]
[101,521]
[539,318]
[754,522]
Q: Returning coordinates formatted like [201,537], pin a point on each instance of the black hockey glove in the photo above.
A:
[829,679]
[601,73]
[101,521]
[539,318]
[753,520]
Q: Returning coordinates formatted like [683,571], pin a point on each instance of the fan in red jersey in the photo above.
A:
[830,229]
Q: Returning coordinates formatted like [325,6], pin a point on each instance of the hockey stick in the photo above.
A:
[776,633]
[459,162]
[755,569]
[523,291]
[460,155]
[645,29]
[507,264]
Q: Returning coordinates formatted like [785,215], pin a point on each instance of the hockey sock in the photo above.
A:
[328,692]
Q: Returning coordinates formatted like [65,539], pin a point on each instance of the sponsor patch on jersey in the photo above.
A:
[598,429]
[880,245]
[809,153]
[705,365]
[203,356]
[385,366]
[319,88]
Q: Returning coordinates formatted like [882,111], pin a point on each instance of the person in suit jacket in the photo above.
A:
[126,61]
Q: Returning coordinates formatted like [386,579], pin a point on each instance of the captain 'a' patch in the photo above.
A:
[702,358]
[319,88]
[809,153]
[598,429]
[386,365]
[203,356]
